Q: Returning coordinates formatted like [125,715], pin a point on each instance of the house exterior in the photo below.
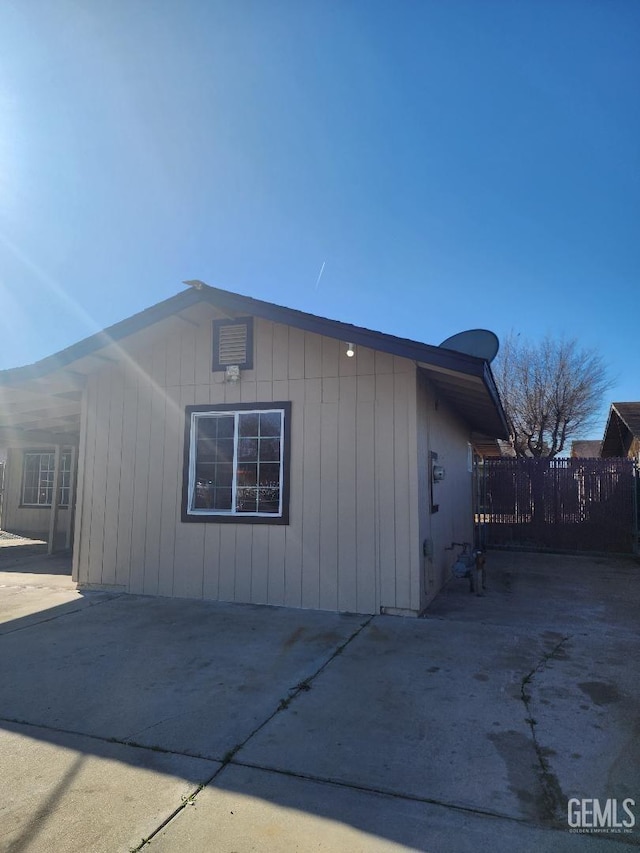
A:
[622,432]
[585,449]
[216,446]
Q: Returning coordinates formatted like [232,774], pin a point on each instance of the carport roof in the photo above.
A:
[41,402]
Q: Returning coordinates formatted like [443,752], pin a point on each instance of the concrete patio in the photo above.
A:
[199,726]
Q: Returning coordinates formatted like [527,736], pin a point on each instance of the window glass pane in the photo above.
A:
[222,499]
[246,499]
[247,474]
[224,450]
[30,495]
[207,427]
[248,424]
[204,487]
[226,426]
[270,423]
[269,449]
[248,449]
[224,475]
[269,475]
[207,450]
[268,500]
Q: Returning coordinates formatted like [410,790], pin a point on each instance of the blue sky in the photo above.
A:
[452,164]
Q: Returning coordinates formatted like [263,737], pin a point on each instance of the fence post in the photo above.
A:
[636,508]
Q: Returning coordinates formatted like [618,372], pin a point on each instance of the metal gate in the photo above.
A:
[558,504]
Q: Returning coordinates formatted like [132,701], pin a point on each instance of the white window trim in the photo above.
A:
[42,505]
[233,513]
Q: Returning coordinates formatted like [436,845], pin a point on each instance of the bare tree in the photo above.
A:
[551,392]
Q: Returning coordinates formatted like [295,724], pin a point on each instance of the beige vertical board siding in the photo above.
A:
[12,488]
[365,528]
[276,564]
[260,564]
[347,504]
[86,572]
[263,343]
[155,489]
[211,579]
[248,392]
[453,522]
[203,351]
[296,354]
[330,357]
[385,489]
[142,461]
[171,487]
[425,405]
[311,493]
[228,561]
[11,497]
[293,531]
[232,393]
[217,390]
[127,469]
[112,476]
[173,354]
[312,356]
[211,567]
[328,502]
[280,351]
[80,488]
[242,562]
[404,464]
[365,361]
[277,550]
[189,568]
[187,354]
[414,502]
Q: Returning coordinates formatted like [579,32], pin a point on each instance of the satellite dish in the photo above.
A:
[480,343]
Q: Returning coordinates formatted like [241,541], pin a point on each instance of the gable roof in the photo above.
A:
[623,425]
[465,381]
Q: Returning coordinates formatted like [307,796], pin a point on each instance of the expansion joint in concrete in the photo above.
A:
[228,758]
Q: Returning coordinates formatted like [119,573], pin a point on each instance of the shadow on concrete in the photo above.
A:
[201,679]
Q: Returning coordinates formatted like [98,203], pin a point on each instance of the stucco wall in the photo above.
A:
[352,540]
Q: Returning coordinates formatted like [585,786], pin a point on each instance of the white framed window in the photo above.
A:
[236,463]
[37,478]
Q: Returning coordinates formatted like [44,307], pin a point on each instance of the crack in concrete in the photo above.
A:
[227,759]
[551,791]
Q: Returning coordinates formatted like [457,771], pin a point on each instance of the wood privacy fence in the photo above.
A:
[559,504]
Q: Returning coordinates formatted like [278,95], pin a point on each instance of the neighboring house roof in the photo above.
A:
[585,449]
[52,388]
[623,426]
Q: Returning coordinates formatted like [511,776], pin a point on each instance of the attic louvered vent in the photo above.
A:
[233,343]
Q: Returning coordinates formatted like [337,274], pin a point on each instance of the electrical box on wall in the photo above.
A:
[438,473]
[432,464]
